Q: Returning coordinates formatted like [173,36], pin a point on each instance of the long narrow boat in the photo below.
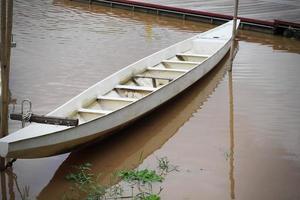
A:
[123,97]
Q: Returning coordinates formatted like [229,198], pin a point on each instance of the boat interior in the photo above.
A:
[140,85]
[144,77]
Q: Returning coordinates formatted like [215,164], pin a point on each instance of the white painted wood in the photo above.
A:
[193,55]
[133,87]
[39,140]
[168,70]
[116,98]
[152,77]
[94,111]
[180,62]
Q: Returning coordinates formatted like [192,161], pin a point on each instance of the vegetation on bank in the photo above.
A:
[137,184]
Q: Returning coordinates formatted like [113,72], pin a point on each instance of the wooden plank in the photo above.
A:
[47,120]
[135,82]
[133,87]
[180,62]
[94,111]
[116,98]
[181,56]
[167,70]
[152,77]
[194,55]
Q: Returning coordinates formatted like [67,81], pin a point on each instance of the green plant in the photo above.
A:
[148,197]
[165,167]
[143,176]
[140,181]
[152,197]
[82,176]
[115,191]
[85,183]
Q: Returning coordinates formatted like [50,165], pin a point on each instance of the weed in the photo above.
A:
[148,197]
[85,183]
[165,167]
[82,177]
[140,181]
[144,176]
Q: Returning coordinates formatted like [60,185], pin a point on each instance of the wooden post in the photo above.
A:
[3,59]
[236,3]
[6,28]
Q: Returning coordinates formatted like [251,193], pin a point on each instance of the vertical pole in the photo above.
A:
[8,34]
[3,53]
[6,28]
[236,5]
[2,60]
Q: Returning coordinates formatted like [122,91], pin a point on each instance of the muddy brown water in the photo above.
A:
[233,135]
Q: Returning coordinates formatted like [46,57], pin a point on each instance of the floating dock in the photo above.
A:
[278,27]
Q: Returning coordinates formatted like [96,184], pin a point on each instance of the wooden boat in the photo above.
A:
[123,97]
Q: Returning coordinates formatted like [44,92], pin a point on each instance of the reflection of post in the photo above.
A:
[231,129]
[149,31]
[10,183]
[3,179]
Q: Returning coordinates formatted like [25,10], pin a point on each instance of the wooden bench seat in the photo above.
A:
[194,55]
[167,70]
[94,111]
[180,62]
[137,88]
[116,98]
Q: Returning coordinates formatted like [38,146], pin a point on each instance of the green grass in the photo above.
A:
[82,176]
[85,184]
[143,176]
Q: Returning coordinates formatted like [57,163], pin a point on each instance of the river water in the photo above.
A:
[232,135]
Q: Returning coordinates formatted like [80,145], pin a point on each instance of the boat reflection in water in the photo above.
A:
[130,146]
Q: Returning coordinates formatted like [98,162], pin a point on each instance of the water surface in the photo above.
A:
[232,135]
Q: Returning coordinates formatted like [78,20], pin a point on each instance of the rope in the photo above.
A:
[26,116]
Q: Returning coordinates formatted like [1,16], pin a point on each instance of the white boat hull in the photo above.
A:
[39,140]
